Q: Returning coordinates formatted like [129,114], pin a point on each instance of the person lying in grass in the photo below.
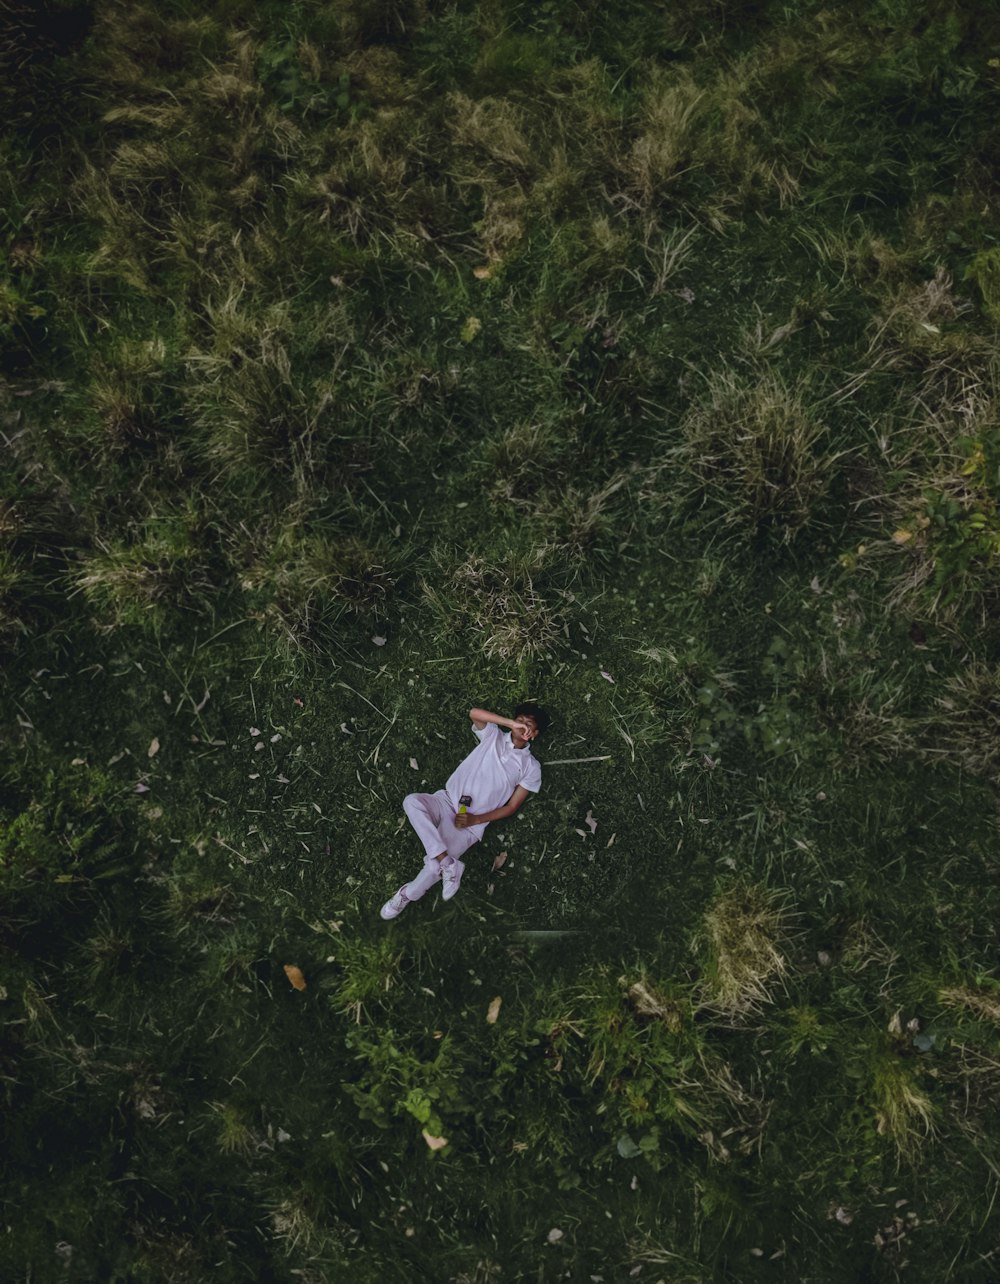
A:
[496,778]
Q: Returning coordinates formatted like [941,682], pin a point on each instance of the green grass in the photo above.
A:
[362,364]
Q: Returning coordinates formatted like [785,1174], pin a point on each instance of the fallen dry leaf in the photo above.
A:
[482,273]
[589,820]
[901,536]
[554,1235]
[255,731]
[413,764]
[607,676]
[435,1143]
[379,641]
[611,839]
[581,832]
[499,859]
[141,788]
[154,748]
[78,762]
[493,1011]
[294,975]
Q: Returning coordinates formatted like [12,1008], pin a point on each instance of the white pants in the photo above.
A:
[432,816]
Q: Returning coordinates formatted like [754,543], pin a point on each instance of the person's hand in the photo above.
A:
[523,729]
[463,819]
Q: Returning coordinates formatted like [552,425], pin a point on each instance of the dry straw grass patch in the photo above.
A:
[494,151]
[685,125]
[938,526]
[983,1004]
[494,130]
[745,929]
[498,603]
[672,104]
[139,580]
[371,186]
[298,577]
[916,323]
[751,452]
[903,1111]
[964,726]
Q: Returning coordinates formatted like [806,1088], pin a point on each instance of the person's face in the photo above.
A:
[532,725]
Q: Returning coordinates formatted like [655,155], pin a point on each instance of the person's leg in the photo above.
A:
[459,842]
[444,845]
[426,813]
[425,880]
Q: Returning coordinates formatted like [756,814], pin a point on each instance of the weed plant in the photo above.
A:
[363,363]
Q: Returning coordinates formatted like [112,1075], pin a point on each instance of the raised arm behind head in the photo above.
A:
[525,728]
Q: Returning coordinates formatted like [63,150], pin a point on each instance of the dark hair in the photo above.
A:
[541,718]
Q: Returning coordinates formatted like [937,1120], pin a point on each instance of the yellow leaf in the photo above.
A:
[471,329]
[482,273]
[901,536]
[499,859]
[294,975]
[435,1143]
[493,1011]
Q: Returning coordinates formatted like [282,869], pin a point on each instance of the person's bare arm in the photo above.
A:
[517,799]
[480,717]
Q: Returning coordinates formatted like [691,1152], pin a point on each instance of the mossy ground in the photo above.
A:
[366,362]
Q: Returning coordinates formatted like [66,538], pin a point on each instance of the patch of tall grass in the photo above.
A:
[294,579]
[904,1113]
[750,454]
[499,604]
[145,577]
[745,933]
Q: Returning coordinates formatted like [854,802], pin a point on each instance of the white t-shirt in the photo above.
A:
[492,772]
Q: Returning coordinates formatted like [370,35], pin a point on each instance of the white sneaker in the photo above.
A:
[451,876]
[395,905]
